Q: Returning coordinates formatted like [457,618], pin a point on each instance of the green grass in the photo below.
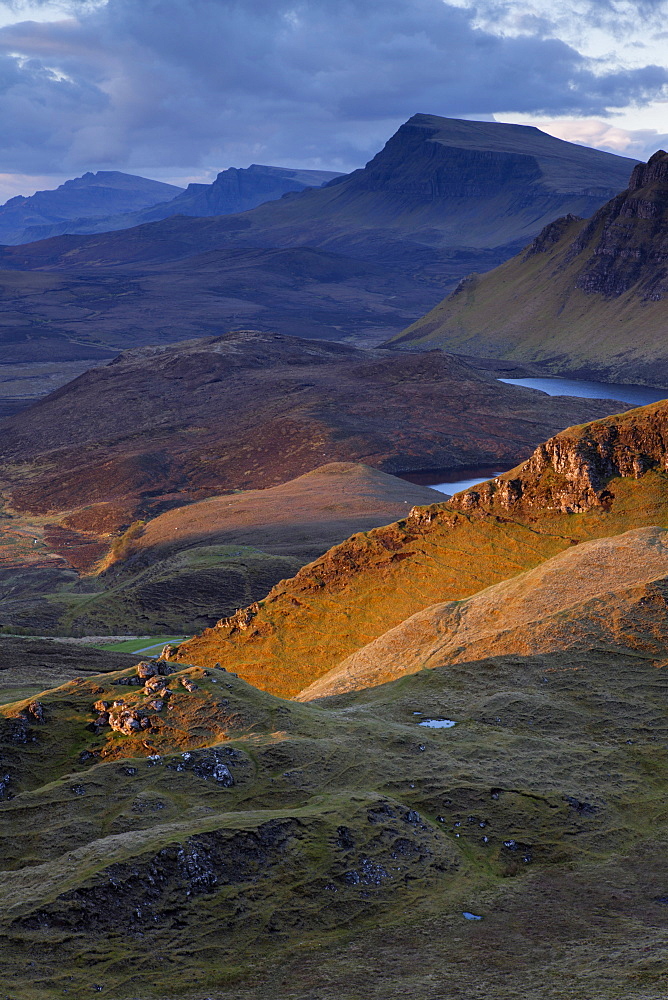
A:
[151,646]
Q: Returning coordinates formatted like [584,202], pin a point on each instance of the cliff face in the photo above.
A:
[625,244]
[570,472]
[586,297]
[591,481]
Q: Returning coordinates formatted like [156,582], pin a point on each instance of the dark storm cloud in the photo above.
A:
[183,82]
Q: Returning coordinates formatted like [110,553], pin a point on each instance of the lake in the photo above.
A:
[455,480]
[639,395]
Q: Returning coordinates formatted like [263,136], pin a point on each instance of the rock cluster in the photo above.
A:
[130,721]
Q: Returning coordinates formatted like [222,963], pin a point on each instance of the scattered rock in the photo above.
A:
[210,763]
[188,684]
[34,712]
[129,721]
[146,669]
[4,787]
[155,684]
[582,808]
[102,706]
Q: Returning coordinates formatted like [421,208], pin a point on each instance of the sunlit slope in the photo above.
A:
[591,481]
[604,594]
[587,296]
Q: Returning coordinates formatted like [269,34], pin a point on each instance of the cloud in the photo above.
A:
[636,143]
[200,83]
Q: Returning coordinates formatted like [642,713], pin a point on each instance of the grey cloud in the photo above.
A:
[217,82]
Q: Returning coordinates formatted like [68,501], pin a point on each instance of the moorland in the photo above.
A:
[414,744]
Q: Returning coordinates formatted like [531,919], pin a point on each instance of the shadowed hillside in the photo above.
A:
[358,259]
[251,410]
[266,848]
[588,298]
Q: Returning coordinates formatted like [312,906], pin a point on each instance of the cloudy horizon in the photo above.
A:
[181,89]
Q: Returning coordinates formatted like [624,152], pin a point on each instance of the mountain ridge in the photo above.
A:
[586,297]
[233,190]
[97,193]
[393,237]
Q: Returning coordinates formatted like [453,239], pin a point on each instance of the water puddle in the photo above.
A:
[437,723]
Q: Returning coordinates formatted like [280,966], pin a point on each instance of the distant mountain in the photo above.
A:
[234,190]
[102,194]
[586,297]
[381,246]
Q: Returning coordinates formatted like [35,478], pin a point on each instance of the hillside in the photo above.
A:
[587,598]
[107,192]
[590,481]
[207,839]
[587,298]
[249,410]
[177,570]
[234,190]
[358,259]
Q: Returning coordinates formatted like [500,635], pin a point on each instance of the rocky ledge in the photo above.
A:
[571,471]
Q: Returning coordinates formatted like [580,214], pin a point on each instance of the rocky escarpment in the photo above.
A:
[628,237]
[570,472]
[610,474]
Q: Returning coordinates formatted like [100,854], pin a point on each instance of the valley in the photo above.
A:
[357,260]
[333,640]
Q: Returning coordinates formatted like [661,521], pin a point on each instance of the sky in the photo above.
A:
[180,89]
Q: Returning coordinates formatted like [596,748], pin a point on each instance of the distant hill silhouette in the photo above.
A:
[234,190]
[108,192]
[357,259]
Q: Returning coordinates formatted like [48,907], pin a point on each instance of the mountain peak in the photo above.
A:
[655,171]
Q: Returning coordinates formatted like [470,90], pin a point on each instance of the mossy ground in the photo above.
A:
[341,860]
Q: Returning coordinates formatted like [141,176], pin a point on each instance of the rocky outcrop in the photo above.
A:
[570,472]
[628,238]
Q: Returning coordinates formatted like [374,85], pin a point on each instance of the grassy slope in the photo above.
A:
[591,596]
[181,570]
[377,579]
[529,310]
[311,877]
[340,862]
